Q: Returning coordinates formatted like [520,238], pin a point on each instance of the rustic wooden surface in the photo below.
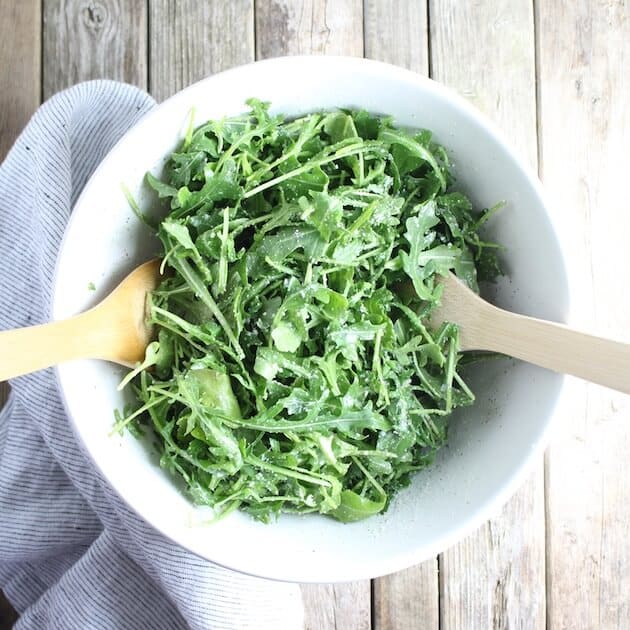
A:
[91,40]
[584,130]
[317,27]
[191,40]
[554,75]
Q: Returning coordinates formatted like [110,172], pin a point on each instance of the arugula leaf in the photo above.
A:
[293,369]
[354,507]
[163,190]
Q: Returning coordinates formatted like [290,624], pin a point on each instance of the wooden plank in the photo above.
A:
[337,606]
[20,89]
[20,46]
[287,27]
[190,40]
[311,27]
[584,53]
[409,599]
[94,40]
[399,37]
[497,74]
[495,578]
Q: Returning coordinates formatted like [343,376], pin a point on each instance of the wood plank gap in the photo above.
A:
[548,589]
[538,113]
[537,97]
[429,41]
[149,73]
[41,51]
[440,579]
[372,605]
[255,28]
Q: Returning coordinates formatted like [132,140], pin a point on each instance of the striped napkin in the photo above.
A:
[72,554]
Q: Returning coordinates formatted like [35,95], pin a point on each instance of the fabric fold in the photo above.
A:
[72,554]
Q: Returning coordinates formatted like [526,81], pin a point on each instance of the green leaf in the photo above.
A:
[285,241]
[180,234]
[406,150]
[285,337]
[367,125]
[163,190]
[323,212]
[465,269]
[339,126]
[217,187]
[356,508]
[312,180]
[216,392]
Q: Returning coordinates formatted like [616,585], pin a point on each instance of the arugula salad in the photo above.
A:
[293,368]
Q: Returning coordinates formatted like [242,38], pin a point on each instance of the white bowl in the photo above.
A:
[490,445]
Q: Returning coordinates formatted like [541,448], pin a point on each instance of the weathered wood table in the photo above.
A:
[555,75]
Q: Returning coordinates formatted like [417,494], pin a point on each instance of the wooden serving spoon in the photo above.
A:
[114,330]
[547,344]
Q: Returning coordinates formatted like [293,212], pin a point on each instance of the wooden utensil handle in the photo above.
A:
[30,349]
[558,348]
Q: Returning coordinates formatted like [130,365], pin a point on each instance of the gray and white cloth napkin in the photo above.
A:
[72,554]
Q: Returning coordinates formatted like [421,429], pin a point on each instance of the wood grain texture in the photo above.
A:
[494,578]
[20,43]
[190,40]
[318,27]
[584,89]
[93,39]
[399,37]
[486,52]
[337,606]
[287,27]
[113,330]
[483,326]
[408,600]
